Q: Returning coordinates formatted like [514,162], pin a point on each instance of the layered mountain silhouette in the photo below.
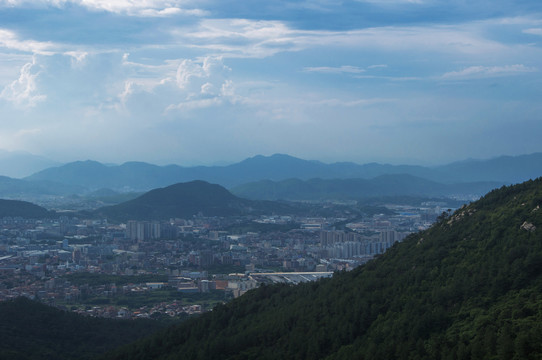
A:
[138,176]
[383,185]
[18,164]
[506,169]
[13,188]
[469,287]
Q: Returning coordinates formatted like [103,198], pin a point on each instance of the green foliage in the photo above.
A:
[111,197]
[179,200]
[137,300]
[185,200]
[30,330]
[469,287]
[23,209]
[392,185]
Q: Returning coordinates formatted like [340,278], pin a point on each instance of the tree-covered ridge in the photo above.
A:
[469,287]
[357,188]
[184,200]
[31,330]
[23,209]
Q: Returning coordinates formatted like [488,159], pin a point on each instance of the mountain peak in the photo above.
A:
[182,200]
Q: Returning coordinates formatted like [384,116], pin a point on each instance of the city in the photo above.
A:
[179,267]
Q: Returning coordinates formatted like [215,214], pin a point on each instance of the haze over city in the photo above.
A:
[196,82]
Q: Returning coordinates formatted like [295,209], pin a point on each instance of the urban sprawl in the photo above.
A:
[189,258]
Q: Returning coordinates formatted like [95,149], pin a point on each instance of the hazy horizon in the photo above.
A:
[20,155]
[422,82]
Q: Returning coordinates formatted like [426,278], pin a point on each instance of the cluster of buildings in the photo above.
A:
[198,255]
[171,309]
[350,245]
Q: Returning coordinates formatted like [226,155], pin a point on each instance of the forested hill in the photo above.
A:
[23,209]
[469,287]
[384,185]
[33,331]
[185,200]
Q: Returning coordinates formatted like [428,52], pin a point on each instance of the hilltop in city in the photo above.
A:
[185,200]
[469,287]
[16,208]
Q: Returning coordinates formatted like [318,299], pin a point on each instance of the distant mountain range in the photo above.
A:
[185,200]
[20,164]
[506,169]
[138,176]
[17,188]
[279,177]
[342,189]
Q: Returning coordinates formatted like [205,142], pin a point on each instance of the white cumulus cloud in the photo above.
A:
[201,77]
[8,39]
[23,91]
[203,83]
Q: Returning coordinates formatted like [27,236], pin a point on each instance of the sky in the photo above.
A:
[212,81]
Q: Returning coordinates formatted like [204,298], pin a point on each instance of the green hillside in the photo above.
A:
[468,288]
[185,200]
[32,331]
[23,209]
[339,189]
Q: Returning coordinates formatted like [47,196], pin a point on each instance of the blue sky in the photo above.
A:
[199,82]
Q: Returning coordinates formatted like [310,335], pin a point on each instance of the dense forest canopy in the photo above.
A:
[469,287]
[30,331]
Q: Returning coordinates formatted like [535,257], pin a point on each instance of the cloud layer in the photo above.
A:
[198,82]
